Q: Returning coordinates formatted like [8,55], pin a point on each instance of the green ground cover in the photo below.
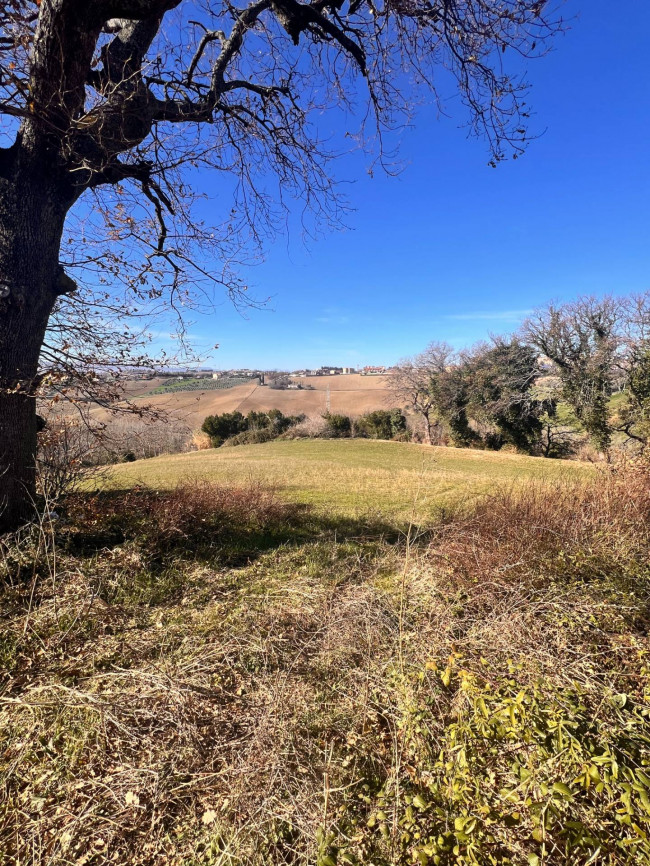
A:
[354,476]
[174,386]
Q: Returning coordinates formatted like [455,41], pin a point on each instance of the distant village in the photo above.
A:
[299,374]
[263,375]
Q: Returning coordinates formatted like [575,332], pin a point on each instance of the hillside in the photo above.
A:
[350,395]
[353,475]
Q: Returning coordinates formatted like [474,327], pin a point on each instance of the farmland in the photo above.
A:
[353,394]
[172,386]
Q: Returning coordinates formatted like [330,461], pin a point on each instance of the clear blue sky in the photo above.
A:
[452,249]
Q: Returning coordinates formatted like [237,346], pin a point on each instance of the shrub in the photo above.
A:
[254,428]
[493,440]
[520,717]
[200,441]
[191,511]
[592,528]
[309,428]
[257,420]
[281,423]
[381,424]
[251,437]
[222,427]
[65,449]
[337,426]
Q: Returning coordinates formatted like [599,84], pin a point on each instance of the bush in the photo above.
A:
[493,440]
[191,511]
[281,423]
[309,428]
[257,420]
[591,529]
[222,427]
[523,709]
[251,437]
[232,428]
[200,441]
[337,426]
[64,457]
[381,424]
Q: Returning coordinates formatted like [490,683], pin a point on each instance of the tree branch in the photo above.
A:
[134,10]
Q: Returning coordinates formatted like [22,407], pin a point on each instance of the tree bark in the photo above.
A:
[31,225]
[426,428]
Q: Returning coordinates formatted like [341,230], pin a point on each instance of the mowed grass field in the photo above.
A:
[354,476]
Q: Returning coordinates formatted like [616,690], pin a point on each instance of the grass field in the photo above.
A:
[354,476]
[208,671]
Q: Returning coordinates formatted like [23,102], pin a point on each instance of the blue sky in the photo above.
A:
[452,249]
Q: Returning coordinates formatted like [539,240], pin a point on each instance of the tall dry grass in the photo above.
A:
[474,693]
[522,531]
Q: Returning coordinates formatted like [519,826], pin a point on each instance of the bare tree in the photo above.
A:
[107,107]
[62,464]
[412,381]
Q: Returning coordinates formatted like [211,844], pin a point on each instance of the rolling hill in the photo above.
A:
[331,653]
[353,475]
[349,395]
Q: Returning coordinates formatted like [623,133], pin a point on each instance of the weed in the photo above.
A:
[213,676]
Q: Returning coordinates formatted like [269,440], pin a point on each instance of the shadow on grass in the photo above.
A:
[142,546]
[114,556]
[231,531]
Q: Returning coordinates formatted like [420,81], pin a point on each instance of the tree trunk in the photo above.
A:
[31,224]
[426,426]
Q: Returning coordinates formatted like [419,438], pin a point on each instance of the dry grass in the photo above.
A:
[522,531]
[193,510]
[319,690]
[200,441]
[186,725]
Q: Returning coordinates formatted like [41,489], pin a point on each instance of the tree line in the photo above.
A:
[537,389]
[234,428]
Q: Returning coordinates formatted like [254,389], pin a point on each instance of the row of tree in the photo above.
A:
[233,428]
[509,391]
